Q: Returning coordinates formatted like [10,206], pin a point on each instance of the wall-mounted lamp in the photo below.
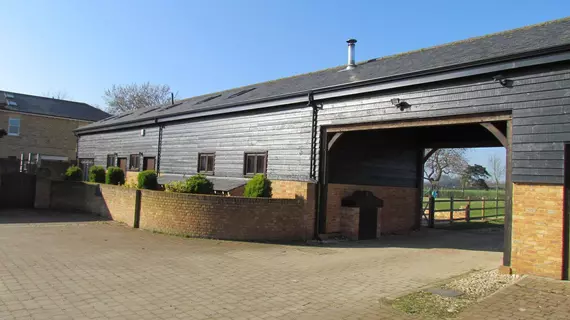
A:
[400,104]
[503,81]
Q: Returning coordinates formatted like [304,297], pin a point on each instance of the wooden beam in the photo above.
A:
[496,132]
[508,198]
[422,122]
[429,154]
[334,139]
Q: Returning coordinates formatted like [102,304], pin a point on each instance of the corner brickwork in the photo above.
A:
[537,240]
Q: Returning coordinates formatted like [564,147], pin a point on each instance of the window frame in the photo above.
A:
[144,163]
[115,157]
[257,155]
[10,125]
[207,155]
[138,162]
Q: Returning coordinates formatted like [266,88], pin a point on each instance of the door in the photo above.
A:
[122,164]
[149,163]
[85,164]
[368,223]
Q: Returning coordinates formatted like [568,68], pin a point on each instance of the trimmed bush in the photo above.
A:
[74,173]
[147,180]
[115,175]
[258,187]
[199,184]
[97,174]
[195,184]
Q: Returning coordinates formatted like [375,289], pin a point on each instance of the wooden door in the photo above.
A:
[123,164]
[149,163]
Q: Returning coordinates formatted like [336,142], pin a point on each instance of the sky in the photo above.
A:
[82,48]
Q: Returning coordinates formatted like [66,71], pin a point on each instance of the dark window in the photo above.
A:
[149,163]
[111,160]
[255,163]
[206,162]
[134,162]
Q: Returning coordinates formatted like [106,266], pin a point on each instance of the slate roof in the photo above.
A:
[480,49]
[50,107]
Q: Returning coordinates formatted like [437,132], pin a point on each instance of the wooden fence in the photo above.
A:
[451,210]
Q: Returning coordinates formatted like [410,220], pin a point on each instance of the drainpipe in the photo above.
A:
[313,163]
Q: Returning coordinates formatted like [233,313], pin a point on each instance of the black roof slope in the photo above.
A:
[50,107]
[480,49]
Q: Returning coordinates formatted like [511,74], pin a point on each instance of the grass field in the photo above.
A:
[444,204]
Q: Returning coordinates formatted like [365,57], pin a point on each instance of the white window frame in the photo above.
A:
[10,125]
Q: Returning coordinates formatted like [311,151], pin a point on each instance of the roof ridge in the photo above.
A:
[44,97]
[488,35]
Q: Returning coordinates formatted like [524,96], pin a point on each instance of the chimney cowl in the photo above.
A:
[351,59]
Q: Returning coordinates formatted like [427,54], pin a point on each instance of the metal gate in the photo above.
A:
[17,190]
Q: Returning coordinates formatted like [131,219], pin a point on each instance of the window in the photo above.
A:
[255,163]
[13,126]
[206,162]
[237,94]
[111,160]
[134,162]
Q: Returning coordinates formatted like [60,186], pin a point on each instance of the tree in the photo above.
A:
[123,98]
[475,176]
[497,171]
[61,95]
[444,161]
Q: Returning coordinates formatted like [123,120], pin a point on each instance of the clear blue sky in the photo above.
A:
[196,47]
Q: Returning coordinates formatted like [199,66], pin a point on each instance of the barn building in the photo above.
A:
[367,126]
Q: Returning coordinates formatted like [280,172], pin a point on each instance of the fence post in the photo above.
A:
[468,210]
[431,217]
[483,209]
[451,209]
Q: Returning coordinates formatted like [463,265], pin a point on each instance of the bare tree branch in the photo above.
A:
[497,169]
[444,161]
[61,95]
[123,98]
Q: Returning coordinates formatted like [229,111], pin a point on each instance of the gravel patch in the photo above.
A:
[432,304]
[477,285]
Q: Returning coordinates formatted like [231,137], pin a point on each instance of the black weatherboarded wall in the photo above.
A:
[539,101]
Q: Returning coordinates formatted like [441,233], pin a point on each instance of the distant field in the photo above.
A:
[474,194]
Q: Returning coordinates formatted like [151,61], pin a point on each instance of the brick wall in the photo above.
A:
[349,219]
[39,134]
[398,214]
[224,217]
[114,202]
[537,230]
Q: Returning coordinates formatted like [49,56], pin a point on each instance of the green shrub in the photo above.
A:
[97,174]
[195,184]
[176,186]
[115,175]
[147,180]
[199,184]
[257,187]
[74,173]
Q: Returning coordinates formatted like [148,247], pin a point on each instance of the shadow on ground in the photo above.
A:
[11,216]
[479,240]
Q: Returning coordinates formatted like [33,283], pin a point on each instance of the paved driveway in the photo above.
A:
[59,266]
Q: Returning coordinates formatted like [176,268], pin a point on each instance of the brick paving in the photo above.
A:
[530,298]
[60,266]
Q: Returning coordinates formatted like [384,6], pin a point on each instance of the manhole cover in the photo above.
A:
[445,292]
